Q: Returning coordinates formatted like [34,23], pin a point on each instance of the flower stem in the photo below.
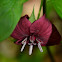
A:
[48,50]
[51,56]
[44,7]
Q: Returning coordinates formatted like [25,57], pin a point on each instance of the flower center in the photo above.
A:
[32,41]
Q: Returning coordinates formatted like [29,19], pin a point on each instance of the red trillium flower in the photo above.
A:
[37,33]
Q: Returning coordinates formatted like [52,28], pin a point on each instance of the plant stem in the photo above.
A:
[44,7]
[48,50]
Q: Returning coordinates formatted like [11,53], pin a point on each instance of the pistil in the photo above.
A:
[31,44]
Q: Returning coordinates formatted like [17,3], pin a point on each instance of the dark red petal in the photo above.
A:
[18,42]
[42,29]
[55,37]
[22,28]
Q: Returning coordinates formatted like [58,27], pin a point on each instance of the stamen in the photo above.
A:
[31,45]
[31,39]
[39,46]
[30,49]
[24,40]
[24,43]
[23,46]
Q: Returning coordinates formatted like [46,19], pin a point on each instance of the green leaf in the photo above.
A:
[40,9]
[23,1]
[49,7]
[58,6]
[10,13]
[32,17]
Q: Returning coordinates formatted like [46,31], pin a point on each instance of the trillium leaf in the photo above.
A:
[58,6]
[40,9]
[32,17]
[10,13]
[49,7]
[23,1]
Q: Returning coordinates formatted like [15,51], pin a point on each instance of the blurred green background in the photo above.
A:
[10,52]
